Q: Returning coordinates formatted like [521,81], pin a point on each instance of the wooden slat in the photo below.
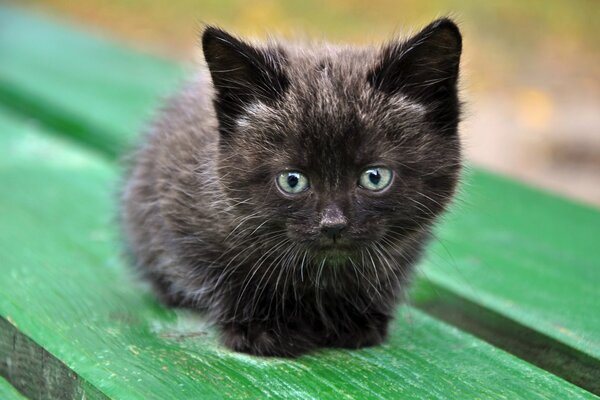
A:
[65,289]
[530,257]
[82,84]
[8,392]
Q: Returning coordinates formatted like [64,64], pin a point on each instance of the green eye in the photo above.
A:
[375,178]
[292,182]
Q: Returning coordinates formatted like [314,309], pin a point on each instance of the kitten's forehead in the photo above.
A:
[331,75]
[331,119]
[329,85]
[333,81]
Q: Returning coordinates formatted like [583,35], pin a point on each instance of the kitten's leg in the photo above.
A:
[368,330]
[268,339]
[282,340]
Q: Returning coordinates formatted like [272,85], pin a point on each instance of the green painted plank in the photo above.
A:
[533,261]
[8,392]
[522,254]
[82,84]
[528,255]
[34,371]
[65,289]
[522,341]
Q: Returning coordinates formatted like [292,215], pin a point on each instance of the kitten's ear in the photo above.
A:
[241,73]
[424,67]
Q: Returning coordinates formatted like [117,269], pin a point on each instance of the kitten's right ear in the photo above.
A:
[425,66]
[241,74]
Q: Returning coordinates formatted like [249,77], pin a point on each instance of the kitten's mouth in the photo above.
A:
[335,252]
[340,250]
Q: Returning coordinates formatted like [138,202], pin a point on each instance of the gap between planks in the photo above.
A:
[35,372]
[507,334]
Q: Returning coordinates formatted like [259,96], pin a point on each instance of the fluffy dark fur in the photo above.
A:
[209,227]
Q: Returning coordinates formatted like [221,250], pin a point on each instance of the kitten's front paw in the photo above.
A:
[260,340]
[372,335]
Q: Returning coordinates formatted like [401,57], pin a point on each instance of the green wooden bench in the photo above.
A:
[8,392]
[506,305]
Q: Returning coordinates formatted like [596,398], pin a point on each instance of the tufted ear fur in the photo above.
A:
[241,74]
[425,68]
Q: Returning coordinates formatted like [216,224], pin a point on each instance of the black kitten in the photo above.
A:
[290,192]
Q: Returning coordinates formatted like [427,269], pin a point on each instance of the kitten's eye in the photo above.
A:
[375,178]
[292,182]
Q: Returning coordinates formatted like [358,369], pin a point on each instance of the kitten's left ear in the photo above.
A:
[241,74]
[424,67]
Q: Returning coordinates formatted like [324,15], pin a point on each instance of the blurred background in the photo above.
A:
[531,69]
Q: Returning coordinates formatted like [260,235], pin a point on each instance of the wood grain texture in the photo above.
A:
[34,371]
[66,290]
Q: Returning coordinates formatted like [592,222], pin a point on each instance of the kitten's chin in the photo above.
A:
[337,258]
[335,254]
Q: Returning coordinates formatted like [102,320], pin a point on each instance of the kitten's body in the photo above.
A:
[209,227]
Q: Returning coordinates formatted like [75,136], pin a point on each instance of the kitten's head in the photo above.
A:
[336,148]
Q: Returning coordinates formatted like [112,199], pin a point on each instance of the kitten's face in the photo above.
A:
[339,149]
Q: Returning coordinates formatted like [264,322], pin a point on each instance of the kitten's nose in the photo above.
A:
[332,231]
[333,222]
